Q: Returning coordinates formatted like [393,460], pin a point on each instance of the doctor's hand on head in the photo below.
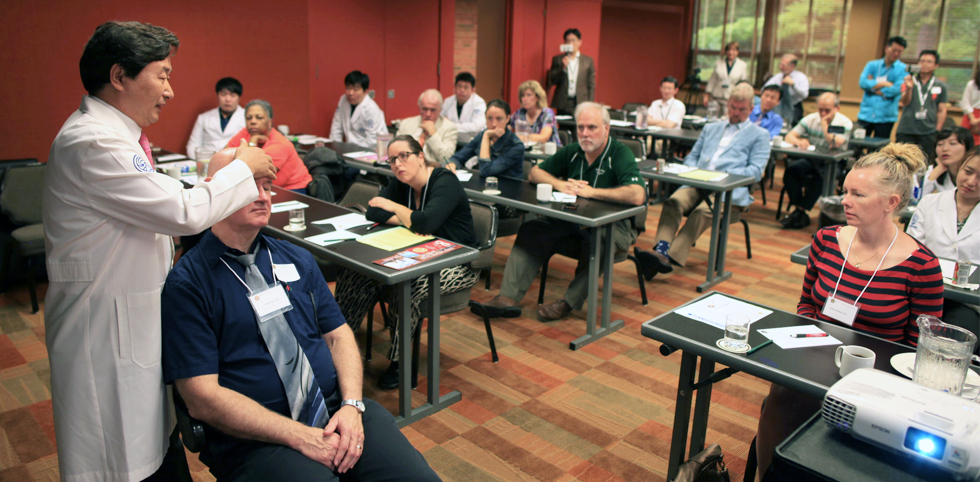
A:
[258,161]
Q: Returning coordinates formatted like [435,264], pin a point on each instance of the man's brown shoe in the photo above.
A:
[501,307]
[555,311]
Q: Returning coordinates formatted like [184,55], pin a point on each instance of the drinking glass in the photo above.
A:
[736,334]
[491,185]
[297,220]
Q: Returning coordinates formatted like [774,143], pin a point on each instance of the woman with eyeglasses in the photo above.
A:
[427,200]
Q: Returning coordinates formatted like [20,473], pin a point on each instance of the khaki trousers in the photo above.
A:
[686,201]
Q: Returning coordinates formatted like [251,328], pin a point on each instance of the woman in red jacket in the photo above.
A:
[258,132]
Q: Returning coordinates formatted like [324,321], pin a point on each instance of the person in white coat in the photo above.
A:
[466,108]
[436,133]
[728,71]
[215,128]
[948,223]
[358,119]
[108,222]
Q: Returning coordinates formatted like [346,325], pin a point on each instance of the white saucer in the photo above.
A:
[743,350]
[904,363]
[492,192]
[289,227]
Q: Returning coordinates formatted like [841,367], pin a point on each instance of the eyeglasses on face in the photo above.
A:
[402,157]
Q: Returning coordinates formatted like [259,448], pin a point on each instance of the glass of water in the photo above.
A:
[491,185]
[736,334]
[297,220]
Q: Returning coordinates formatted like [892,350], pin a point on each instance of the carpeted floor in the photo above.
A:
[543,413]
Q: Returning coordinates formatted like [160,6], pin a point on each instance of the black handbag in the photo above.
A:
[707,466]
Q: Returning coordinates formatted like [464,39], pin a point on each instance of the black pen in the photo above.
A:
[373,226]
[758,347]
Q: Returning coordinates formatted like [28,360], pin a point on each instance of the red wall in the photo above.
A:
[641,44]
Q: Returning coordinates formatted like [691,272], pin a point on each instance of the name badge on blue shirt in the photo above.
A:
[269,302]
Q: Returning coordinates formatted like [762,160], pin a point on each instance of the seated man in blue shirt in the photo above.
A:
[737,147]
[763,114]
[297,416]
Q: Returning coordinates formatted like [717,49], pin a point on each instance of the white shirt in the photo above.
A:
[471,121]
[573,74]
[800,89]
[673,110]
[971,97]
[208,134]
[363,127]
[108,221]
[731,130]
[934,224]
[929,187]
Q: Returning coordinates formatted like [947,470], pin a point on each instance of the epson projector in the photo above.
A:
[899,415]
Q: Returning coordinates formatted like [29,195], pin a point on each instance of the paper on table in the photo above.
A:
[620,123]
[346,221]
[311,139]
[653,128]
[464,175]
[170,157]
[287,205]
[392,239]
[702,175]
[713,309]
[332,237]
[560,197]
[675,168]
[563,117]
[363,155]
[781,337]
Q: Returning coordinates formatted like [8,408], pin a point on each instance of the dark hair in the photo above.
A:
[573,31]
[933,53]
[132,45]
[356,77]
[897,40]
[670,79]
[976,76]
[413,145]
[729,46]
[230,84]
[465,77]
[500,104]
[773,87]
[963,136]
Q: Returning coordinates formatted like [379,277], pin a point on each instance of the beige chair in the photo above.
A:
[20,201]
[359,193]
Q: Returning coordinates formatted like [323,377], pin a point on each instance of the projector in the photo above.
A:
[897,414]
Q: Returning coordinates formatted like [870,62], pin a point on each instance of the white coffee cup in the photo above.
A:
[852,357]
[550,148]
[544,192]
[859,133]
[284,129]
[173,171]
[777,141]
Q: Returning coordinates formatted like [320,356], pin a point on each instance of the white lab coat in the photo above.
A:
[929,187]
[108,221]
[471,121]
[207,131]
[721,83]
[934,224]
[363,127]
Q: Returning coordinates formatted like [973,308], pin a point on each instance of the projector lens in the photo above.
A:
[925,443]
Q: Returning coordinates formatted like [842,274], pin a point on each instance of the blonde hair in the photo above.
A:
[535,87]
[743,92]
[898,163]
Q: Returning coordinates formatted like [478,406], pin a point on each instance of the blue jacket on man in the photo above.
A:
[881,108]
[746,155]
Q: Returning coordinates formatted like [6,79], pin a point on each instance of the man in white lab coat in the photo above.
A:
[466,108]
[108,221]
[358,119]
[216,127]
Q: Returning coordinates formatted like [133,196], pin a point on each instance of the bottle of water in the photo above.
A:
[641,117]
[916,190]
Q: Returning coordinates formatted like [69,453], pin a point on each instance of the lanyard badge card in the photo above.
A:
[270,302]
[840,309]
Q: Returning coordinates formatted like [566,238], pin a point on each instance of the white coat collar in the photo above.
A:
[110,115]
[947,215]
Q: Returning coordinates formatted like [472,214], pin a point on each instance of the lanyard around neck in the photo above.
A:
[421,199]
[240,280]
[872,274]
[918,90]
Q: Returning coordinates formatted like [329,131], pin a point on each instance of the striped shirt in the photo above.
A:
[893,301]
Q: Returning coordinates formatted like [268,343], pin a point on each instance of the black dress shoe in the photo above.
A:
[645,266]
[500,307]
[801,221]
[655,261]
[389,379]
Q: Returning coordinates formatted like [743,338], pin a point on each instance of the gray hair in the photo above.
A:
[261,103]
[430,92]
[832,96]
[743,92]
[594,106]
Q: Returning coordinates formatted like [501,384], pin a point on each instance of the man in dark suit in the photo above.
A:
[572,74]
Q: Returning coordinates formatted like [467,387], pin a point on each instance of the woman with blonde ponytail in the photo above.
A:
[868,275]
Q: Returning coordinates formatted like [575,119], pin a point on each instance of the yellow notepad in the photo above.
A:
[392,239]
[702,175]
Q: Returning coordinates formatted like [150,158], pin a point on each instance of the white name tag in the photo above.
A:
[286,272]
[937,90]
[725,141]
[883,78]
[920,114]
[841,310]
[270,302]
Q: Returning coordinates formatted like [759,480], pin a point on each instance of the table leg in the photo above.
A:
[404,350]
[434,402]
[702,405]
[720,218]
[605,326]
[829,177]
[682,413]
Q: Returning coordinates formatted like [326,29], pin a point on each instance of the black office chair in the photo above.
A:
[359,193]
[638,147]
[639,223]
[631,106]
[617,114]
[191,429]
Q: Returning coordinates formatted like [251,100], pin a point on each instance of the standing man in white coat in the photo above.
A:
[357,118]
[108,221]
[466,108]
[216,127]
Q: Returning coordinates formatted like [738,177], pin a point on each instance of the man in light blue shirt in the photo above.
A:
[763,114]
[882,84]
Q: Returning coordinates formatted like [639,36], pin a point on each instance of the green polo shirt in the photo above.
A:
[615,167]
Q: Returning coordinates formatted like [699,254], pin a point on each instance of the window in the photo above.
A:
[724,21]
[947,26]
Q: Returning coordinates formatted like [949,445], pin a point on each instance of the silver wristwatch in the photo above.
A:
[359,405]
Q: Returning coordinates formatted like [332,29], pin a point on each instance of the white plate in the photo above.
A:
[492,192]
[904,363]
